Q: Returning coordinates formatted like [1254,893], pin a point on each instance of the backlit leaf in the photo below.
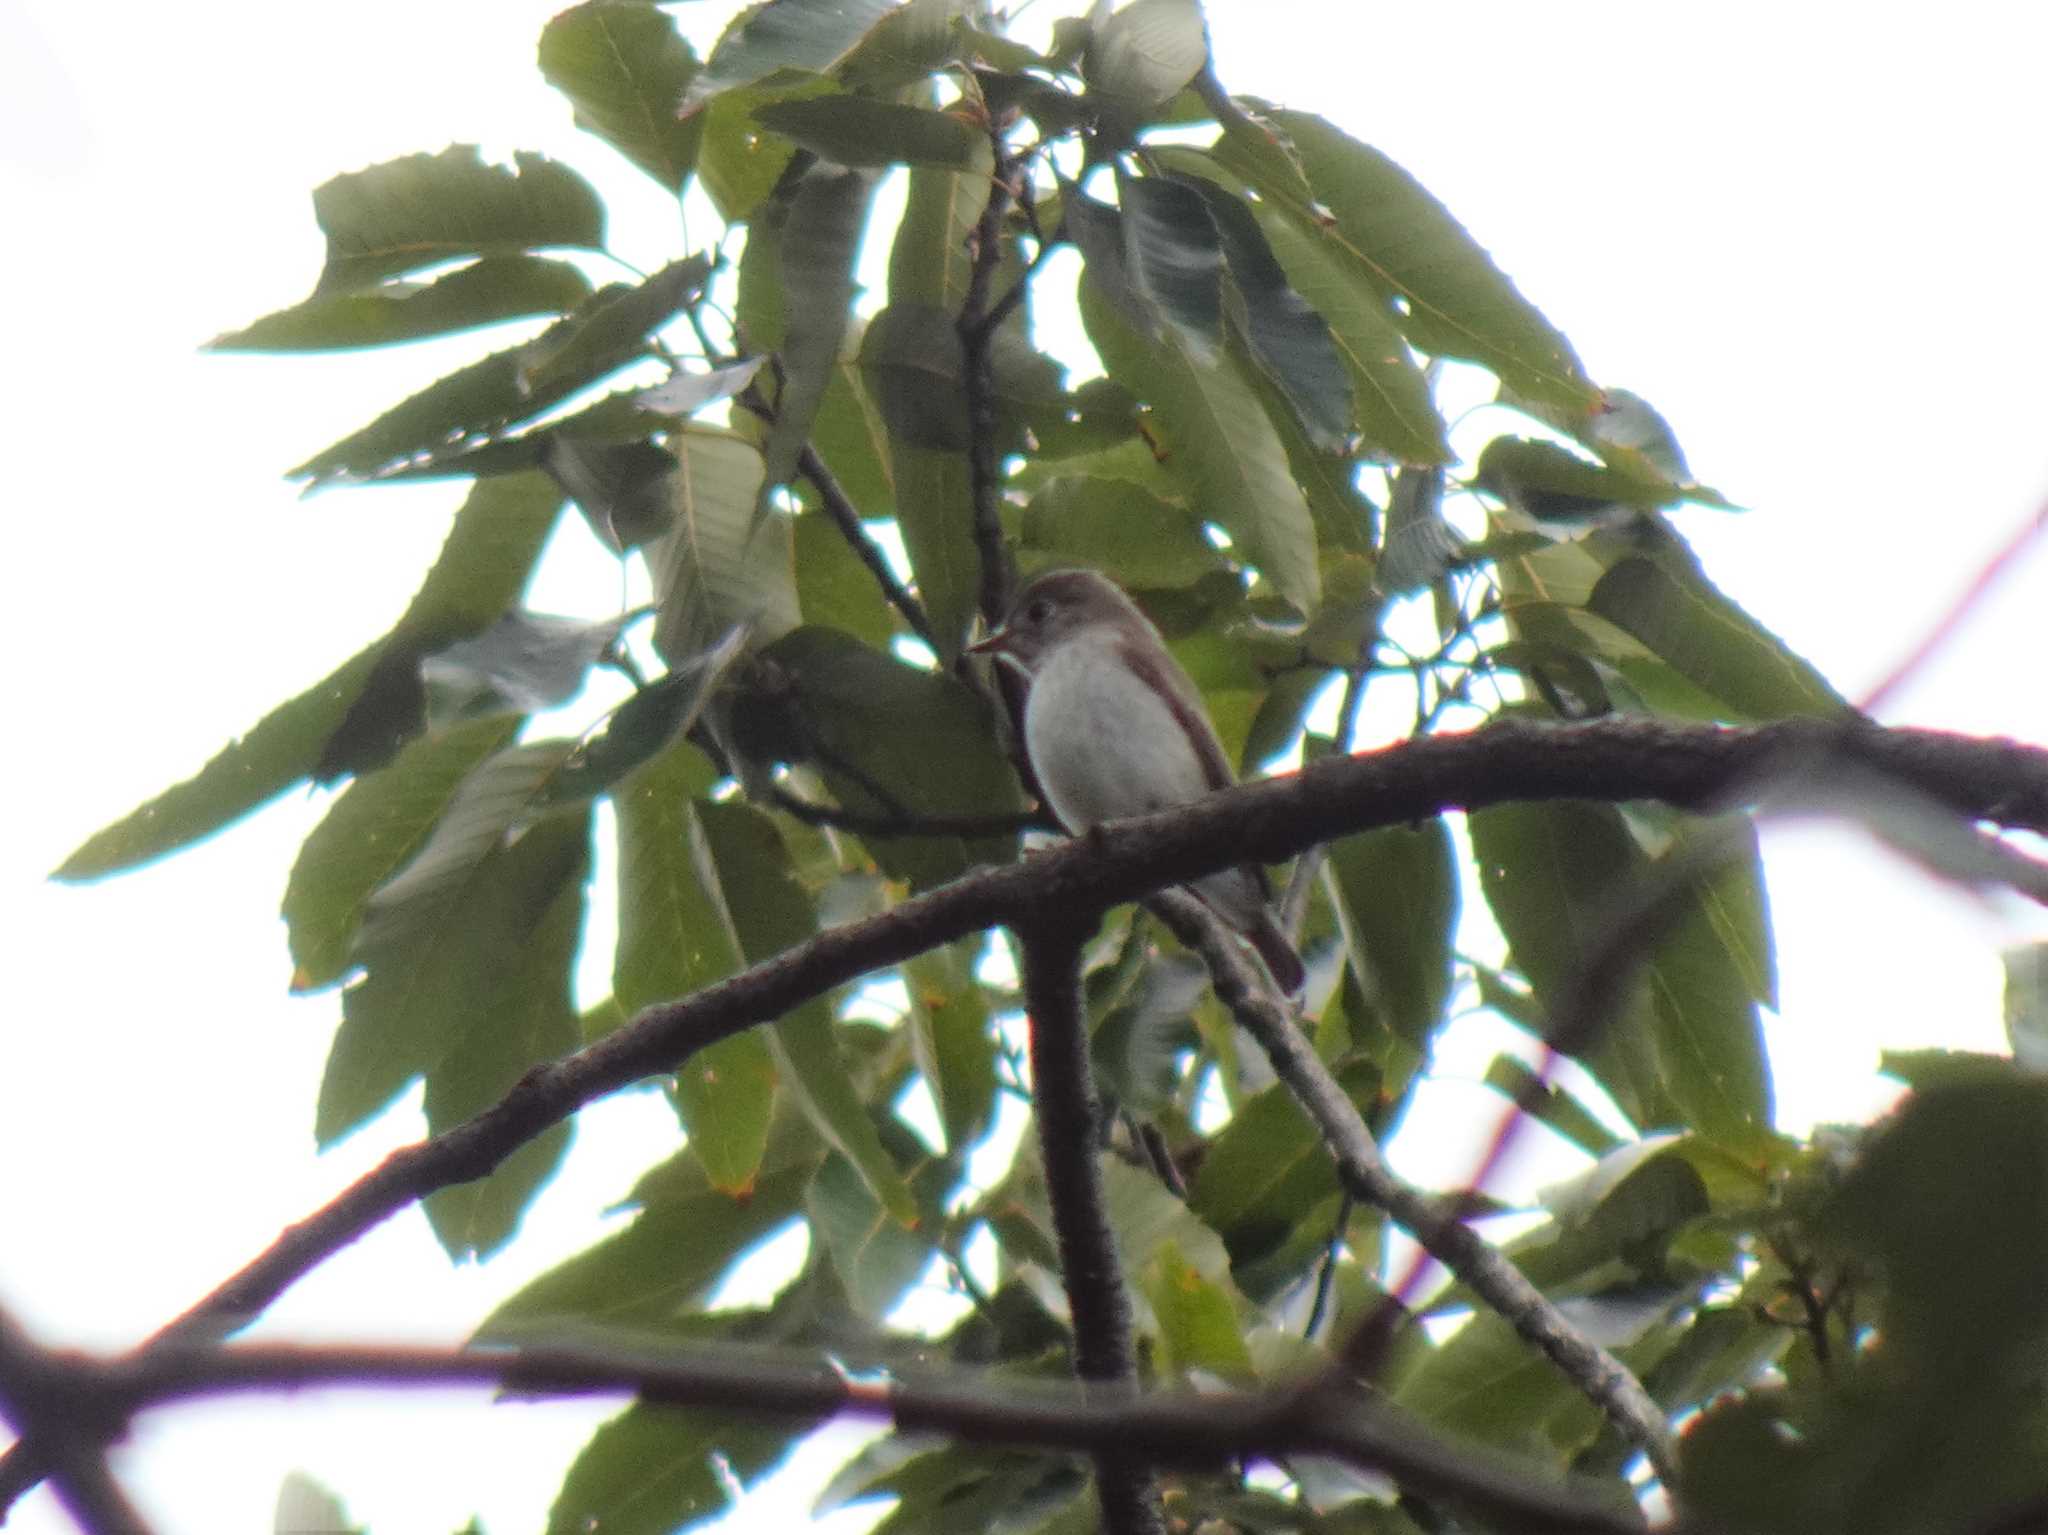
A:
[422,210]
[624,68]
[860,131]
[485,292]
[1399,892]
[719,565]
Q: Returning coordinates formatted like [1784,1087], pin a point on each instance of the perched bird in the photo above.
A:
[1113,728]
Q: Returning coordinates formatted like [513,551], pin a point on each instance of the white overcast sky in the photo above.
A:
[1812,236]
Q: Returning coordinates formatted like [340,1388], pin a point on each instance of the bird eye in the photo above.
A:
[1038,612]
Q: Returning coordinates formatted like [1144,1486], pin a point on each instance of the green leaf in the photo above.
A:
[1487,1383]
[767,911]
[674,939]
[874,1254]
[859,131]
[1550,1103]
[1686,1045]
[1123,530]
[1291,341]
[1221,447]
[852,440]
[719,566]
[1548,483]
[483,293]
[912,358]
[818,247]
[423,209]
[872,721]
[604,334]
[1144,55]
[434,939]
[1173,256]
[784,36]
[489,553]
[646,724]
[1457,302]
[1666,601]
[620,488]
[624,68]
[661,1266]
[1264,1172]
[1198,1324]
[653,1470]
[1397,416]
[519,1014]
[929,260]
[607,332]
[951,1041]
[1398,893]
[835,588]
[934,503]
[367,835]
[524,663]
[737,164]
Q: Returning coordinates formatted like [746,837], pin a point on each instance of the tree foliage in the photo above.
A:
[823,491]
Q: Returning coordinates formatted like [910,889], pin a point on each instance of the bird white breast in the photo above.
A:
[1103,744]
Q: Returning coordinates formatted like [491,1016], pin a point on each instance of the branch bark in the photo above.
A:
[1690,766]
[1069,1123]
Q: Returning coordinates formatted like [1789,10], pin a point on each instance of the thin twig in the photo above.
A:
[1069,1121]
[1364,1173]
[978,383]
[832,496]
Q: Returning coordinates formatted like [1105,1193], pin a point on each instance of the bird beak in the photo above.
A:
[995,644]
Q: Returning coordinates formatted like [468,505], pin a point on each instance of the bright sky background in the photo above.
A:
[1813,241]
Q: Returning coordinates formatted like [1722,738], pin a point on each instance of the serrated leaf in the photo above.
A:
[486,292]
[519,1014]
[767,911]
[1291,341]
[800,36]
[605,333]
[653,1470]
[1397,416]
[490,551]
[1665,601]
[1458,303]
[1398,892]
[1143,55]
[421,210]
[647,723]
[432,939]
[624,68]
[818,246]
[1264,1172]
[1221,447]
[719,566]
[367,835]
[1173,257]
[684,394]
[524,663]
[860,131]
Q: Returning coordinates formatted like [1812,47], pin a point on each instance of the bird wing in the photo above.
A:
[1159,668]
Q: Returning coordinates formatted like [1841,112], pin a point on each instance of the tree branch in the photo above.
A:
[1366,1176]
[1069,1121]
[67,1428]
[1194,1430]
[1611,759]
[846,517]
[908,824]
